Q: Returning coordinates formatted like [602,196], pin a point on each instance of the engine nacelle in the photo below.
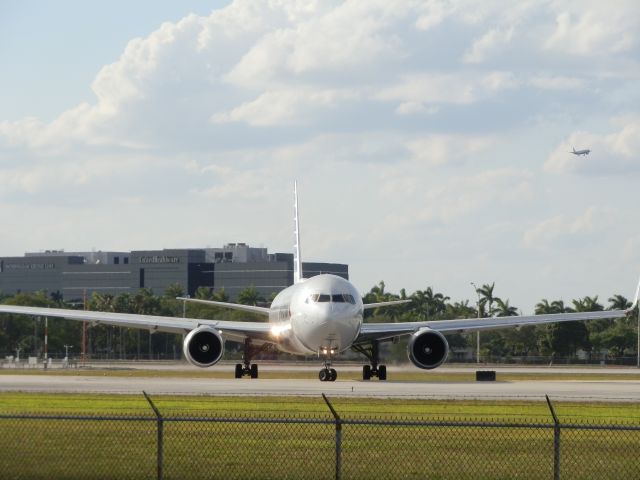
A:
[203,347]
[428,349]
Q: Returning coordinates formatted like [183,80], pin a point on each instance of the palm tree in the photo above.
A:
[220,295]
[505,310]
[250,296]
[559,307]
[174,290]
[486,291]
[543,306]
[587,304]
[203,293]
[618,302]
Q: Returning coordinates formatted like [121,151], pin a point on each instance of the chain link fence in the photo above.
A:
[184,446]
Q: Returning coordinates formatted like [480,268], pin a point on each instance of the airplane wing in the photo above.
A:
[382,331]
[230,330]
[367,306]
[232,306]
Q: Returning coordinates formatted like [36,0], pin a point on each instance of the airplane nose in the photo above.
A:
[332,326]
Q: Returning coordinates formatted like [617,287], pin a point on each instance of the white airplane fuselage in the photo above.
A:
[320,315]
[581,152]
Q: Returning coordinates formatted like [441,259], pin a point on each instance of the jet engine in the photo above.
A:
[428,349]
[203,347]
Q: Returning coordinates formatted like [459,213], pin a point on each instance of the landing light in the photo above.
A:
[277,330]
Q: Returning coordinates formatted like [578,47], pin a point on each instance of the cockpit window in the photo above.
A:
[335,298]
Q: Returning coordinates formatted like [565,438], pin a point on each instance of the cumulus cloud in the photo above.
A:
[458,197]
[563,228]
[491,42]
[611,154]
[556,82]
[436,150]
[284,107]
[436,88]
[588,28]
[417,112]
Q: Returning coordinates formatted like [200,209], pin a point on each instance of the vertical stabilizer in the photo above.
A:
[297,261]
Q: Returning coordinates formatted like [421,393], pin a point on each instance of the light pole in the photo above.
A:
[478,331]
[66,350]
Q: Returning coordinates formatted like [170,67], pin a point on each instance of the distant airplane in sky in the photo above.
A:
[322,315]
[580,152]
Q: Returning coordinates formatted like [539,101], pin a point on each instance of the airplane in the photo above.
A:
[580,152]
[322,315]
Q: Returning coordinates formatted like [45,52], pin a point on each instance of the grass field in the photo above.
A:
[348,408]
[105,449]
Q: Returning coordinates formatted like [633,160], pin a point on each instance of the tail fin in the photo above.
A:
[574,149]
[297,261]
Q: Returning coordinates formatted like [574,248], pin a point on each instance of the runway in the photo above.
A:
[608,390]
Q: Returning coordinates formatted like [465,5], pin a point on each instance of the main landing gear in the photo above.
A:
[246,367]
[372,354]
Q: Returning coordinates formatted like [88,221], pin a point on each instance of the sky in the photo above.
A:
[430,139]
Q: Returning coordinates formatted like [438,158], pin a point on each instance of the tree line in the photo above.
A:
[615,337]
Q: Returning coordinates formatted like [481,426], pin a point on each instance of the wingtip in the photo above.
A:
[635,299]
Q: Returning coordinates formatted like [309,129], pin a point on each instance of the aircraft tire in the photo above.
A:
[333,375]
[254,371]
[382,372]
[366,372]
[238,370]
[324,375]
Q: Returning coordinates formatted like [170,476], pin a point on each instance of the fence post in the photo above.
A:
[338,437]
[556,441]
[160,456]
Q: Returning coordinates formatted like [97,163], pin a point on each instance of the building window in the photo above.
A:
[116,260]
[126,260]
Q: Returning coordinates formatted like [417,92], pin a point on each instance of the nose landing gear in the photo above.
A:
[328,375]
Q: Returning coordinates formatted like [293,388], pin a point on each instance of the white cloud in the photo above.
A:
[457,197]
[564,228]
[439,88]
[592,28]
[436,150]
[556,82]
[415,108]
[284,107]
[611,154]
[411,116]
[491,42]
[348,37]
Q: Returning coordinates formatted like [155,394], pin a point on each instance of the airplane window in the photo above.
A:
[349,298]
[337,297]
[314,297]
[324,298]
